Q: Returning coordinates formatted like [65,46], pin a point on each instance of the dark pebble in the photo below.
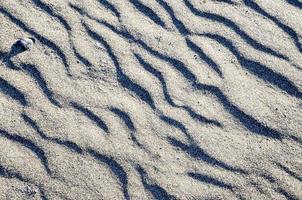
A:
[25,43]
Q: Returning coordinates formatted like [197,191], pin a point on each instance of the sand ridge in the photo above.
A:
[157,99]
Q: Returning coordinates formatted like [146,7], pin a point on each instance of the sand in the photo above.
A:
[151,99]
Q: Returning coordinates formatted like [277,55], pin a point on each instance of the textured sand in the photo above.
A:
[151,99]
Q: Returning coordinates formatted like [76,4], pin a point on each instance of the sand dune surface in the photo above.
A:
[151,99]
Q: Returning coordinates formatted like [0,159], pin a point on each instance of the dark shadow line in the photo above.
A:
[232,25]
[79,10]
[278,189]
[196,152]
[210,180]
[34,125]
[8,63]
[177,23]
[249,122]
[12,175]
[122,78]
[178,65]
[29,145]
[155,190]
[296,139]
[193,149]
[257,186]
[269,178]
[93,117]
[43,195]
[39,37]
[226,1]
[295,3]
[288,171]
[148,12]
[111,7]
[70,145]
[37,76]
[148,67]
[6,59]
[2,55]
[201,118]
[286,194]
[115,167]
[125,117]
[291,32]
[82,59]
[15,175]
[9,90]
[174,123]
[128,122]
[260,70]
[203,56]
[144,95]
[52,13]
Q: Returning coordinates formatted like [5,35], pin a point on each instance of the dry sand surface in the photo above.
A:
[151,99]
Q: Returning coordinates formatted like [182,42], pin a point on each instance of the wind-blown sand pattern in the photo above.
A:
[151,99]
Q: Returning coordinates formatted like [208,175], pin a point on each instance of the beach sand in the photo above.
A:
[151,99]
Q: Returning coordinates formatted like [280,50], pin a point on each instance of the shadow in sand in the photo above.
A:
[128,122]
[16,49]
[183,30]
[295,3]
[289,171]
[194,151]
[122,78]
[149,68]
[93,117]
[148,12]
[38,77]
[226,1]
[203,56]
[51,12]
[154,189]
[256,68]
[30,145]
[210,180]
[68,144]
[43,40]
[111,7]
[13,92]
[287,29]
[236,28]
[116,169]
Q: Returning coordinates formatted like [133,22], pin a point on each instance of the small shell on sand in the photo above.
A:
[25,43]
